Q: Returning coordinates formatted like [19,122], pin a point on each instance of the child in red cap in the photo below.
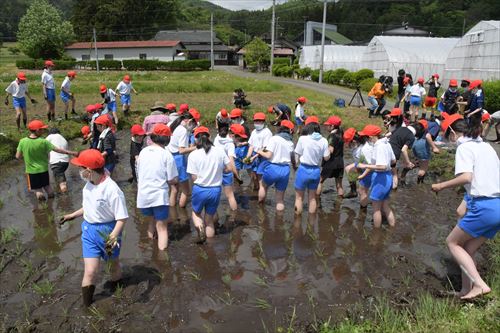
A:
[66,94]
[49,89]
[35,151]
[104,213]
[123,89]
[137,135]
[18,89]
[107,141]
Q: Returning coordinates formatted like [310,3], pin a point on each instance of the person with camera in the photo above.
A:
[376,97]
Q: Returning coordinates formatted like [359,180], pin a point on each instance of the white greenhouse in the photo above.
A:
[477,54]
[419,56]
[336,56]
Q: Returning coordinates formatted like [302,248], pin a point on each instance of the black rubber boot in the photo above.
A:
[353,193]
[420,179]
[88,295]
[66,116]
[49,116]
[73,111]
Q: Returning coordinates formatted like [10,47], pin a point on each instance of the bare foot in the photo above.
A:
[475,292]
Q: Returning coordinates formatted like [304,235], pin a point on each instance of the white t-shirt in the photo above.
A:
[299,110]
[124,88]
[207,168]
[382,153]
[111,94]
[48,79]
[281,149]
[104,202]
[227,144]
[260,139]
[66,85]
[417,90]
[180,138]
[17,90]
[155,167]
[481,159]
[60,142]
[312,151]
[366,152]
[356,153]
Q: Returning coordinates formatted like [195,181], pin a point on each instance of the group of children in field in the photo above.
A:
[172,150]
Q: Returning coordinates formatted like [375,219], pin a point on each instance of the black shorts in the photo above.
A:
[37,180]
[58,170]
[332,173]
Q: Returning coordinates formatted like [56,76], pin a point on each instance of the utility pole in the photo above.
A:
[322,44]
[96,54]
[272,37]
[212,62]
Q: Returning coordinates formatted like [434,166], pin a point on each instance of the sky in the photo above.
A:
[245,4]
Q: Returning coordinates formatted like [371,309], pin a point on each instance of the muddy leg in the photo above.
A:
[199,225]
[262,192]
[91,269]
[210,229]
[174,189]
[340,189]
[313,204]
[363,196]
[184,188]
[280,201]
[386,208]
[229,192]
[471,247]
[162,231]
[299,201]
[377,213]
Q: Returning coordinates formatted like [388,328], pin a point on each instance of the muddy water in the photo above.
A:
[260,269]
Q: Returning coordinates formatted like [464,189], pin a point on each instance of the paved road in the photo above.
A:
[334,91]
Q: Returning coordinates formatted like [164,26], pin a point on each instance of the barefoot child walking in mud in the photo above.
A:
[476,168]
[156,170]
[104,213]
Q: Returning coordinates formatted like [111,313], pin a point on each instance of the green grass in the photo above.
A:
[7,59]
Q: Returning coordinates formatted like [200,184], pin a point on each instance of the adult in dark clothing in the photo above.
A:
[281,112]
[401,87]
[334,167]
[450,98]
[401,140]
[136,143]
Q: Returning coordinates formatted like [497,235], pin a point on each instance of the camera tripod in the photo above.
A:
[359,98]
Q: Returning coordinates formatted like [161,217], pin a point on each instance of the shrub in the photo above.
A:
[367,84]
[363,74]
[304,73]
[327,76]
[38,64]
[141,65]
[277,69]
[184,65]
[315,75]
[286,71]
[337,75]
[282,61]
[492,95]
[349,79]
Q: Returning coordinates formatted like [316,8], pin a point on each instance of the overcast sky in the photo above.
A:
[245,4]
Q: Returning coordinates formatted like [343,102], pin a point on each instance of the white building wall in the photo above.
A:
[152,53]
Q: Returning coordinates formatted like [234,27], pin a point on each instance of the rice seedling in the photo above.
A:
[262,304]
[44,288]
[194,275]
[202,254]
[260,282]
[7,235]
[227,299]
[262,263]
[226,278]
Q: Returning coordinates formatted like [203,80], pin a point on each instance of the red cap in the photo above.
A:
[370,130]
[302,99]
[395,112]
[183,108]
[287,124]
[137,130]
[126,78]
[103,88]
[36,125]
[98,106]
[195,114]
[424,123]
[49,63]
[171,107]
[85,130]
[406,80]
[349,134]
[235,113]
[103,120]
[485,116]
[448,120]
[238,130]
[333,121]
[89,158]
[162,130]
[270,109]
[223,113]
[436,76]
[21,76]
[199,130]
[475,84]
[312,119]
[71,74]
[453,83]
[420,80]
[90,108]
[259,116]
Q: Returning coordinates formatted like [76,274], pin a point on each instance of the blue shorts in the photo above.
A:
[65,97]
[381,186]
[110,167]
[421,149]
[111,106]
[298,121]
[307,177]
[19,102]
[207,198]
[181,163]
[159,213]
[416,100]
[277,175]
[94,240]
[51,95]
[482,218]
[227,179]
[259,165]
[367,181]
[125,99]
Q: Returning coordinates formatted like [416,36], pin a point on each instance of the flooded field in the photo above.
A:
[263,271]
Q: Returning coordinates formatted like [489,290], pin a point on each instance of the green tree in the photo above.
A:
[230,36]
[42,32]
[257,54]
